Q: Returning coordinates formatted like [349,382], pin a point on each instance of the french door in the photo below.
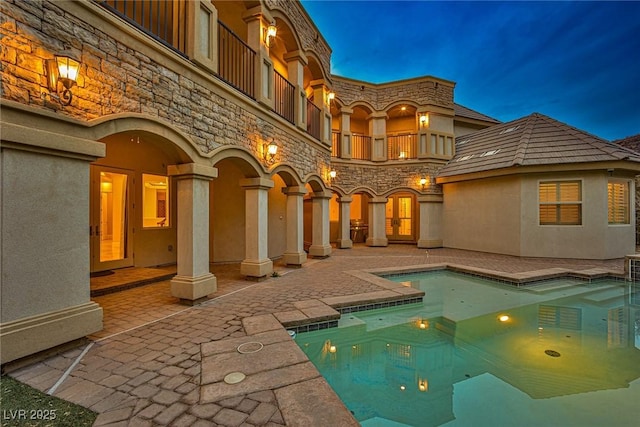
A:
[110,213]
[399,217]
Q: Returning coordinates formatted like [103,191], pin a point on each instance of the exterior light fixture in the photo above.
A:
[332,175]
[62,69]
[270,33]
[331,96]
[423,182]
[269,152]
[424,120]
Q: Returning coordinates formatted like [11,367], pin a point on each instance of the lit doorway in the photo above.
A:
[399,217]
[110,228]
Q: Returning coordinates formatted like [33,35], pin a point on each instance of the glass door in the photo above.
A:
[399,217]
[110,227]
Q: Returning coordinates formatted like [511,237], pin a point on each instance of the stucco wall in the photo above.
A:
[594,239]
[483,215]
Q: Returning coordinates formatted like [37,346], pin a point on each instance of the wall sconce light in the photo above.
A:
[424,120]
[423,182]
[61,69]
[332,175]
[331,96]
[269,152]
[270,33]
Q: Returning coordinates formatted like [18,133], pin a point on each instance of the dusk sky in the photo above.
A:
[578,62]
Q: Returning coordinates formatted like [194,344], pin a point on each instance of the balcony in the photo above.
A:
[236,61]
[402,147]
[167,22]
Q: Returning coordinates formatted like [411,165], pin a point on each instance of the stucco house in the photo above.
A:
[537,187]
[215,133]
[633,143]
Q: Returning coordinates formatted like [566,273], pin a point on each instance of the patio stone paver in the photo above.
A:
[157,362]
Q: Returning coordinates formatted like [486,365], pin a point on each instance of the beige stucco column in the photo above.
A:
[296,61]
[44,237]
[345,132]
[294,253]
[320,246]
[258,19]
[377,230]
[256,263]
[430,221]
[378,132]
[194,281]
[344,237]
[320,92]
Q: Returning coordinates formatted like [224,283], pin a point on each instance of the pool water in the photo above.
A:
[477,352]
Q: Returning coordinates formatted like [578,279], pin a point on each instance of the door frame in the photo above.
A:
[395,220]
[95,199]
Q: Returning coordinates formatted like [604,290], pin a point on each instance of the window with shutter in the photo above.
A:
[560,202]
[618,202]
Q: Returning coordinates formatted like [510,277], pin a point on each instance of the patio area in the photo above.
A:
[157,362]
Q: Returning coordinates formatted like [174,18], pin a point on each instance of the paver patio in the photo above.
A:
[161,363]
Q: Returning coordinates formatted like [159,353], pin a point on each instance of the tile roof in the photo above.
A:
[630,142]
[462,111]
[532,140]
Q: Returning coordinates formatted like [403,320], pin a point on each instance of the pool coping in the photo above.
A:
[520,279]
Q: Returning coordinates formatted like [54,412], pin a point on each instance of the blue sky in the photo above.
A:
[578,62]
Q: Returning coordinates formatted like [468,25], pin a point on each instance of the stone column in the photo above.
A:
[344,238]
[294,253]
[320,246]
[194,281]
[430,221]
[377,229]
[256,263]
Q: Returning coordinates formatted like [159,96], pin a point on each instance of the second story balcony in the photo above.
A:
[239,53]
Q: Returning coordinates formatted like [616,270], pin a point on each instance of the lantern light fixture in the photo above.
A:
[423,182]
[424,120]
[62,70]
[270,33]
[269,152]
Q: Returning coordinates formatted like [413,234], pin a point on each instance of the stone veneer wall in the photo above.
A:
[381,179]
[310,37]
[422,91]
[114,78]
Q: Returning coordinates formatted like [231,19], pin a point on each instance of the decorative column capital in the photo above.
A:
[193,171]
[295,191]
[256,183]
[325,194]
[345,199]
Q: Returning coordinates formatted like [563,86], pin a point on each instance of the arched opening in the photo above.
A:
[132,202]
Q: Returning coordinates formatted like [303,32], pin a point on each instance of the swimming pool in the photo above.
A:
[476,352]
